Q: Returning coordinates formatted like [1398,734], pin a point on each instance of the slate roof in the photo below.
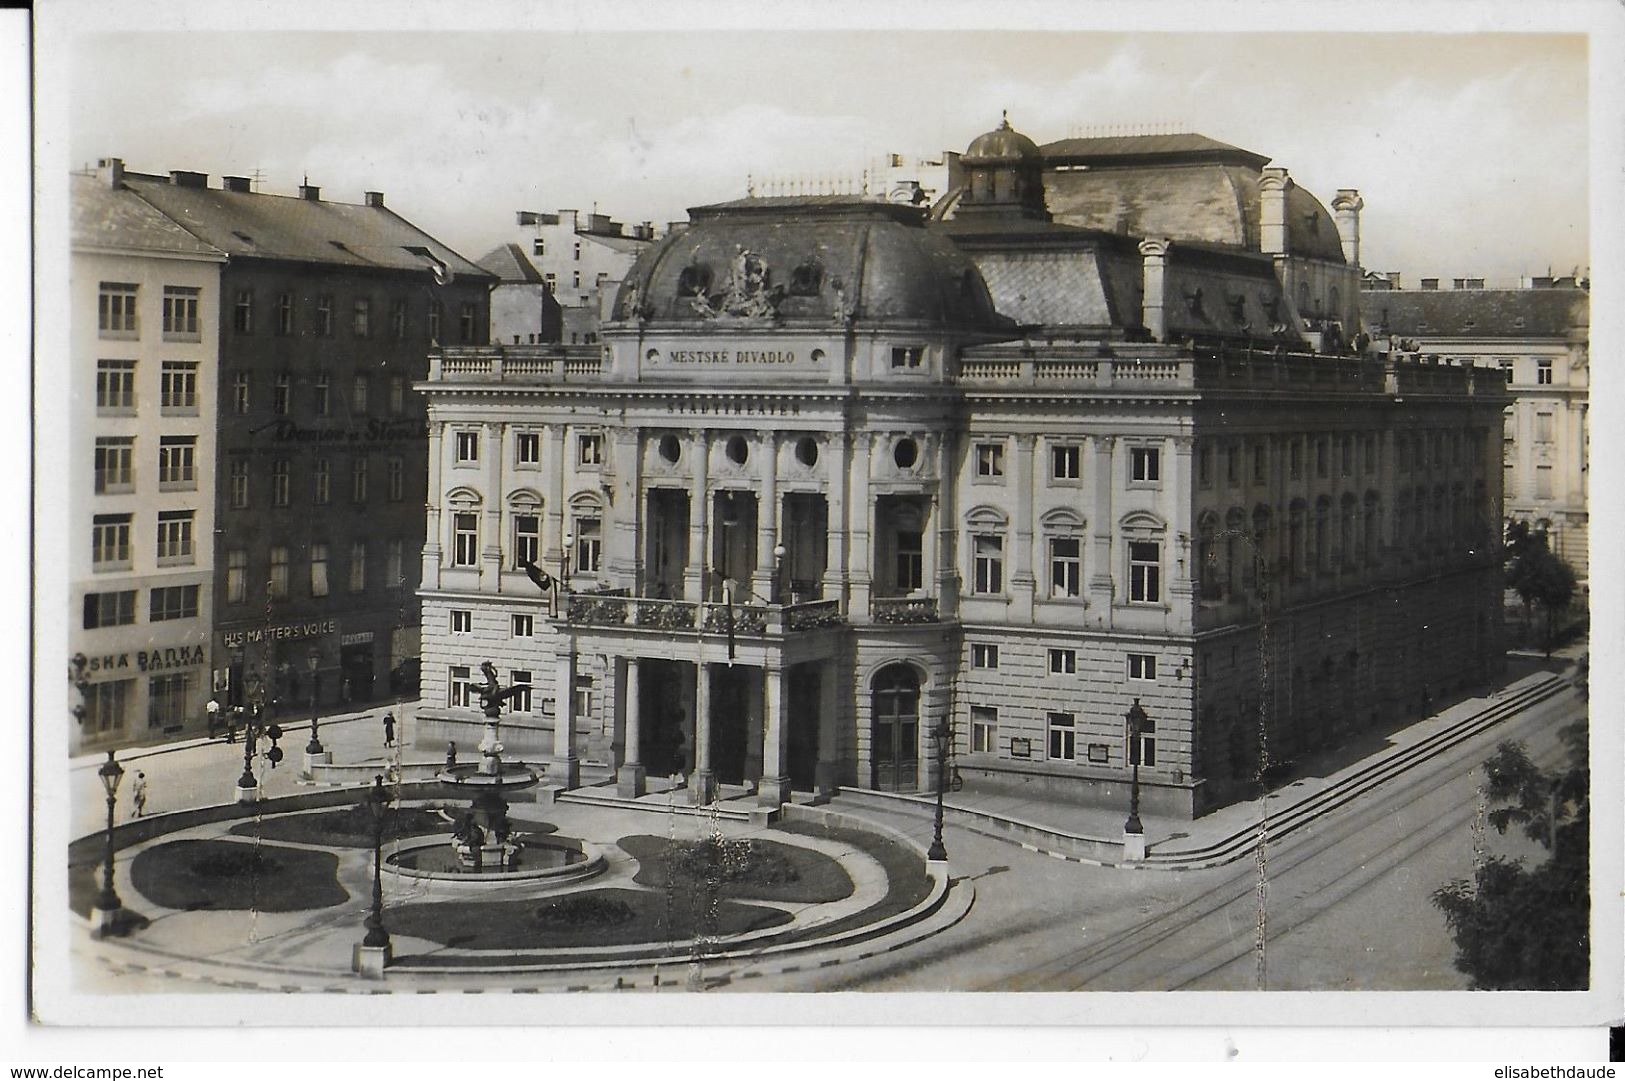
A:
[1475,313]
[101,217]
[1188,145]
[510,264]
[256,225]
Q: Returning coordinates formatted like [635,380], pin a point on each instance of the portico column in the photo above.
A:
[565,769]
[699,514]
[775,786]
[702,784]
[835,572]
[827,774]
[431,537]
[629,780]
[859,516]
[1101,524]
[767,515]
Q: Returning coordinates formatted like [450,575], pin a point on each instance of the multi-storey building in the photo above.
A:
[1539,337]
[840,477]
[324,315]
[143,348]
[582,260]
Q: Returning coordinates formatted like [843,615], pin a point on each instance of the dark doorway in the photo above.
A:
[733,543]
[805,696]
[667,555]
[806,546]
[662,747]
[730,722]
[895,729]
[356,665]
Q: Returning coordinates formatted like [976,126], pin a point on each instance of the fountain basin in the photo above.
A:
[550,860]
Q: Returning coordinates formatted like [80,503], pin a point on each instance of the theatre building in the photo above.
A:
[819,495]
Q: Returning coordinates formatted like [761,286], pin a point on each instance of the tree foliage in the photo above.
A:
[1528,929]
[1538,575]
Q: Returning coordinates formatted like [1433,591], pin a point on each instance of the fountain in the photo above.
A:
[483,838]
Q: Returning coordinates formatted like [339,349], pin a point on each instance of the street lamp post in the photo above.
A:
[104,914]
[778,573]
[255,725]
[941,735]
[373,952]
[1133,829]
[564,573]
[315,754]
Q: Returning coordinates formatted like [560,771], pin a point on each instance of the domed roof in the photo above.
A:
[807,260]
[1003,143]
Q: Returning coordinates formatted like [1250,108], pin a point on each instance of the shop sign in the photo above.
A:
[148,660]
[314,628]
[359,638]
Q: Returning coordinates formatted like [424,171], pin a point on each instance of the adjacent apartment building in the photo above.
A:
[845,478]
[580,260]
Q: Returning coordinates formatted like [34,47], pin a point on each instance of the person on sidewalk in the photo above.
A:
[138,794]
[389,730]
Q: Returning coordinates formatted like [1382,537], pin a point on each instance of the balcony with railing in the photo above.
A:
[515,364]
[903,610]
[619,608]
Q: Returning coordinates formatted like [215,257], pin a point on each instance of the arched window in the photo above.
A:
[1143,535]
[525,527]
[1347,535]
[986,526]
[1208,577]
[1063,534]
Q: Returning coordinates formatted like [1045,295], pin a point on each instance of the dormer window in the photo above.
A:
[907,356]
[806,280]
[694,280]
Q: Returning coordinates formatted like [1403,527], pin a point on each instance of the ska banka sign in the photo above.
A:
[311,629]
[149,660]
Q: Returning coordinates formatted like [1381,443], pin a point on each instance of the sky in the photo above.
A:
[1470,150]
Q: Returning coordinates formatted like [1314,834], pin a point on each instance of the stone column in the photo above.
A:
[1023,580]
[767,514]
[1346,207]
[564,769]
[699,517]
[1153,278]
[775,787]
[835,571]
[827,773]
[630,779]
[860,514]
[702,783]
[1273,184]
[491,549]
[622,556]
[430,576]
[1101,526]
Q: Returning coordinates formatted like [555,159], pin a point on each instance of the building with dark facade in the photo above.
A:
[324,316]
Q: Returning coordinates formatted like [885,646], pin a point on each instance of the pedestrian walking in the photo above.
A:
[138,794]
[451,753]
[389,730]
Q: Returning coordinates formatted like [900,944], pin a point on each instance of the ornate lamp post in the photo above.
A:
[315,745]
[564,574]
[778,573]
[104,913]
[372,954]
[1133,829]
[941,735]
[256,724]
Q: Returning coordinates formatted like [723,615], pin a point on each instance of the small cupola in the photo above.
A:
[1004,176]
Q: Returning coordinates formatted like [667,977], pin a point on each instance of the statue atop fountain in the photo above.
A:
[492,695]
[483,841]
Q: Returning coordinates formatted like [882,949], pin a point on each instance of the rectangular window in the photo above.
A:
[395,471]
[106,705]
[1065,567]
[528,448]
[177,387]
[458,688]
[166,699]
[358,479]
[239,483]
[519,680]
[1294,453]
[1507,369]
[583,696]
[284,314]
[462,621]
[988,570]
[279,573]
[236,576]
[239,393]
[1062,737]
[1232,465]
[322,476]
[468,447]
[589,544]
[1543,482]
[358,566]
[397,395]
[177,462]
[550,283]
[538,246]
[242,313]
[1144,571]
[524,626]
[577,255]
[990,459]
[360,317]
[465,543]
[910,560]
[110,541]
[1346,455]
[590,449]
[180,313]
[281,394]
[1259,463]
[394,569]
[435,311]
[1543,373]
[1322,456]
[984,655]
[1204,465]
[1065,462]
[321,390]
[318,570]
[1142,666]
[280,482]
[173,602]
[1145,465]
[115,464]
[1063,662]
[1142,745]
[324,316]
[907,356]
[527,539]
[575,283]
[984,729]
[115,386]
[109,609]
[397,319]
[1543,427]
[466,323]
[115,310]
[358,394]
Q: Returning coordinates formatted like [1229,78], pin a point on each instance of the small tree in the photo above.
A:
[1518,929]
[1538,575]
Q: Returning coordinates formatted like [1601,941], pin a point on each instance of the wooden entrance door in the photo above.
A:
[895,730]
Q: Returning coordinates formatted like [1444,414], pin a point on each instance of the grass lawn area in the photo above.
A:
[749,867]
[907,884]
[229,875]
[345,827]
[609,917]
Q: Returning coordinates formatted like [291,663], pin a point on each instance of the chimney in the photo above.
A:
[1154,315]
[1346,209]
[110,171]
[235,183]
[375,198]
[1273,184]
[310,192]
[183,178]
